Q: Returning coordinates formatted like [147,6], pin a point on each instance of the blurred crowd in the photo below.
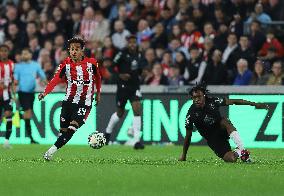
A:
[183,41]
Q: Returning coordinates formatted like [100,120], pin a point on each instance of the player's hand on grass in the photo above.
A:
[182,158]
[261,106]
[124,76]
[40,96]
[98,98]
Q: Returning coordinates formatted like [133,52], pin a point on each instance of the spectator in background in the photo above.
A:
[120,35]
[159,36]
[143,30]
[44,56]
[122,15]
[229,57]
[259,15]
[43,20]
[108,49]
[145,44]
[107,71]
[150,58]
[244,74]
[11,16]
[259,76]
[61,22]
[75,23]
[219,18]
[220,41]
[271,42]
[31,31]
[14,35]
[24,7]
[181,61]
[236,25]
[208,49]
[175,32]
[275,10]
[191,70]
[191,35]
[102,27]
[58,47]
[257,38]
[246,52]
[209,31]
[12,49]
[166,62]
[276,77]
[51,30]
[35,47]
[183,9]
[32,16]
[174,78]
[88,24]
[158,78]
[167,19]
[215,73]
[25,75]
[176,46]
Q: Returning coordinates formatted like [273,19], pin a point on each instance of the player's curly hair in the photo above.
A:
[199,87]
[79,40]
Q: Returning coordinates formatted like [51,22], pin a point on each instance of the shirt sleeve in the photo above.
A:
[188,121]
[57,78]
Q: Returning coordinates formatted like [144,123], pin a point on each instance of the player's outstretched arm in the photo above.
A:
[245,102]
[186,144]
[57,78]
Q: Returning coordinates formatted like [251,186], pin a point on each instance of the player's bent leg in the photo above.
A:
[8,116]
[230,157]
[27,117]
[62,140]
[114,119]
[233,134]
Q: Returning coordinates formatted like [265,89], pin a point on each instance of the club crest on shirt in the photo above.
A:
[209,120]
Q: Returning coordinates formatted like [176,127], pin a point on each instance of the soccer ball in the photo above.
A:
[96,140]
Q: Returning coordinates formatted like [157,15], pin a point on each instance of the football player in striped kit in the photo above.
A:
[81,75]
[6,101]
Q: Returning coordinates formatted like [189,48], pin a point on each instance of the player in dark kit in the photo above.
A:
[204,114]
[6,101]
[129,63]
[81,74]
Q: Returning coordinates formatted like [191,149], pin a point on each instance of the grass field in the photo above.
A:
[118,170]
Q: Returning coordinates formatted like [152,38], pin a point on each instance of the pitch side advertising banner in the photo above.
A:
[163,120]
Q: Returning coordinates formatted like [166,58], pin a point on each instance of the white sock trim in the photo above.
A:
[235,136]
[114,119]
[52,149]
[137,128]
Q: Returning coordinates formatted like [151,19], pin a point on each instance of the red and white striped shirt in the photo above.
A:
[80,78]
[87,28]
[6,77]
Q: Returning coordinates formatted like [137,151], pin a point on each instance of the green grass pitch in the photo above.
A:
[119,170]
